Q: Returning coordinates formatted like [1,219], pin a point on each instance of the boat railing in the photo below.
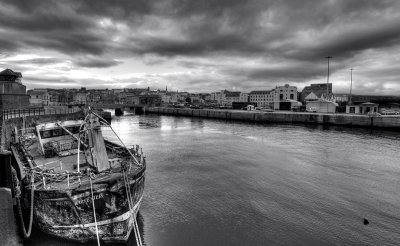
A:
[18,113]
[52,165]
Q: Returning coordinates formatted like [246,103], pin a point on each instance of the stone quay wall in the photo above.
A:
[385,122]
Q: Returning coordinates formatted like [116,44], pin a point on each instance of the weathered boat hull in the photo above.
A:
[69,214]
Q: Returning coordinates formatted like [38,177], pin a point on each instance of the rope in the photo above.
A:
[131,206]
[79,150]
[94,211]
[26,234]
[136,228]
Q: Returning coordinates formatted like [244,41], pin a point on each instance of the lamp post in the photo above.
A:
[327,81]
[351,84]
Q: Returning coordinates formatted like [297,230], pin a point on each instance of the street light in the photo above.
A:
[327,82]
[351,83]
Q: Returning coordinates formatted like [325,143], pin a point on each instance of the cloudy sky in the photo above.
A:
[203,45]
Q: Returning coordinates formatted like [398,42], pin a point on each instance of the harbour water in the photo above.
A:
[213,182]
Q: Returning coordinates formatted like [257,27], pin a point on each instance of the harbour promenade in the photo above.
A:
[8,226]
[356,120]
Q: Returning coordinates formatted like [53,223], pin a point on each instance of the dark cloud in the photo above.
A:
[40,61]
[297,34]
[95,62]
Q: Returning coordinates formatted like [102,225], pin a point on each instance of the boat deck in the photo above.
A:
[66,161]
[61,163]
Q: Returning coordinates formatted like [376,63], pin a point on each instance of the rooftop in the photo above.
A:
[260,92]
[9,72]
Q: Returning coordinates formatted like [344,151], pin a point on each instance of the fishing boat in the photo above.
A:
[72,183]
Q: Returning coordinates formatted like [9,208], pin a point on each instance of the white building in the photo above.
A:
[36,98]
[262,98]
[216,97]
[285,92]
[244,97]
[231,97]
[196,98]
[80,98]
[166,98]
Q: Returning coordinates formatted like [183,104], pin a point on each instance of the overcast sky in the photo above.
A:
[203,46]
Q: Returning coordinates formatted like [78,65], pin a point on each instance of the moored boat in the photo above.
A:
[76,185]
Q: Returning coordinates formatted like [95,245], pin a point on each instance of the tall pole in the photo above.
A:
[327,81]
[351,83]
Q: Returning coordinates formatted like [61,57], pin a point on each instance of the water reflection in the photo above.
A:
[215,182]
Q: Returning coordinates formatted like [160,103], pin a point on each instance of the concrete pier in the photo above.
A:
[8,226]
[383,122]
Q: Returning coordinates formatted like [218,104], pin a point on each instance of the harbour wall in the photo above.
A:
[385,122]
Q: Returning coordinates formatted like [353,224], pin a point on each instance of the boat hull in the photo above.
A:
[69,214]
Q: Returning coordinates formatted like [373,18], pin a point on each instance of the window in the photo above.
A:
[57,132]
[291,96]
[45,134]
[281,97]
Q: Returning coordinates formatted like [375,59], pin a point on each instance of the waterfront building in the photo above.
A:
[117,91]
[124,97]
[215,97]
[319,90]
[286,92]
[35,98]
[12,91]
[262,98]
[94,96]
[182,96]
[174,97]
[148,100]
[321,106]
[166,98]
[80,98]
[362,108]
[108,97]
[273,98]
[39,97]
[338,97]
[244,97]
[311,97]
[231,97]
[206,97]
[56,98]
[195,98]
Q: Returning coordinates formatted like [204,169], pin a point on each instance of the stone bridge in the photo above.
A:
[120,108]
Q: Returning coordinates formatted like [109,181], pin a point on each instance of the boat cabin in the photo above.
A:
[58,138]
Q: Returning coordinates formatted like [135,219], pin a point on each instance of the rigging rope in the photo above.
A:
[131,207]
[136,228]
[94,211]
[17,194]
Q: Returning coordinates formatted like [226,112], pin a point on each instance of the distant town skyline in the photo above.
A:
[203,46]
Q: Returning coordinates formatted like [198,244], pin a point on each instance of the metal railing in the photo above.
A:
[16,113]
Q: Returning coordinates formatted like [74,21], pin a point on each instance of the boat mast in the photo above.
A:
[96,154]
[327,81]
